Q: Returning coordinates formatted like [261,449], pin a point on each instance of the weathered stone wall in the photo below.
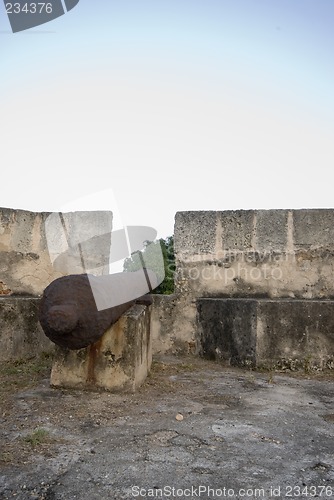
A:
[268,255]
[174,324]
[21,335]
[25,264]
[167,319]
[273,254]
[269,333]
[26,268]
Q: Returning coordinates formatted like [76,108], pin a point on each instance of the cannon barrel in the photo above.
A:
[68,309]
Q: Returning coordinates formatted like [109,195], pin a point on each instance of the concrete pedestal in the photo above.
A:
[119,361]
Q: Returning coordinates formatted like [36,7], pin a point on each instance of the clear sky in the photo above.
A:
[172,105]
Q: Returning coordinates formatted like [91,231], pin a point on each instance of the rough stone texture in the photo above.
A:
[258,434]
[162,322]
[271,230]
[85,241]
[274,253]
[120,360]
[281,333]
[313,228]
[228,330]
[25,266]
[25,263]
[169,325]
[190,227]
[21,335]
[295,333]
[251,253]
[236,229]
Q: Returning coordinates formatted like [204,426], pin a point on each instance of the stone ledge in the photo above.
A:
[271,333]
[119,361]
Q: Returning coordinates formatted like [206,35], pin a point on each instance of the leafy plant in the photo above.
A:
[151,254]
[38,437]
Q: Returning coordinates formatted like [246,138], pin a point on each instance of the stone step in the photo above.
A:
[270,333]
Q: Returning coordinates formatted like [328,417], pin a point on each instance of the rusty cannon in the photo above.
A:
[76,310]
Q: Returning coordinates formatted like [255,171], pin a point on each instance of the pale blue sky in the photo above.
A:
[172,104]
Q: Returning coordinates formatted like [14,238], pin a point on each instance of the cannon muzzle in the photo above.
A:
[69,312]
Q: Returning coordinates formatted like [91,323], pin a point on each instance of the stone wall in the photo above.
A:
[25,266]
[21,335]
[272,254]
[29,261]
[243,253]
[258,255]
[25,263]
[268,333]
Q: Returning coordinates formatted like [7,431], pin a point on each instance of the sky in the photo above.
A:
[169,105]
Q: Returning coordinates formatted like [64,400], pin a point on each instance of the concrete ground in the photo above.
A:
[194,430]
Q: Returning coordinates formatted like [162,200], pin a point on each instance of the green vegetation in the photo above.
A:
[38,437]
[33,366]
[151,255]
[24,372]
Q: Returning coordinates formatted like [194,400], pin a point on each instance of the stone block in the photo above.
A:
[162,322]
[27,239]
[313,228]
[271,230]
[25,266]
[237,229]
[21,335]
[227,329]
[195,233]
[80,242]
[295,333]
[282,333]
[119,361]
